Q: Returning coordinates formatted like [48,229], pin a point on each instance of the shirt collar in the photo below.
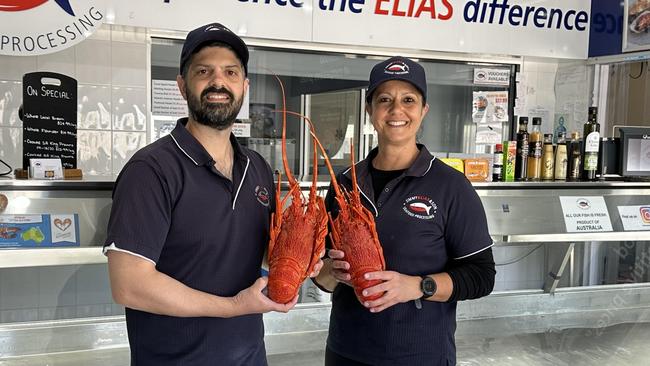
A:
[193,149]
[419,168]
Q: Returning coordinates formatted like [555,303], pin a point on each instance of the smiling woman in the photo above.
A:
[428,217]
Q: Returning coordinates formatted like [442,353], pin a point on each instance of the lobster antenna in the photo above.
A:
[285,163]
[354,170]
[315,174]
[322,149]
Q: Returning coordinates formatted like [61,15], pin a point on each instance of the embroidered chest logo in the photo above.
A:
[420,207]
[262,195]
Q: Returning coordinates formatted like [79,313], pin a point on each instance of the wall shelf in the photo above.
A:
[40,257]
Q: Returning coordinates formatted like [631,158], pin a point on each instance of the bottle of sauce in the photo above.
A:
[575,159]
[521,160]
[548,160]
[560,157]
[535,151]
[497,166]
[592,144]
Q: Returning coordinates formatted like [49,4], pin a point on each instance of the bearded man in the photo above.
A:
[190,223]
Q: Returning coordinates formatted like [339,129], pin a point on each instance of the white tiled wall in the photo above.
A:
[58,292]
[113,119]
[111,71]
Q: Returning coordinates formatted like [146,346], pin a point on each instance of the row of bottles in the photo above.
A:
[538,159]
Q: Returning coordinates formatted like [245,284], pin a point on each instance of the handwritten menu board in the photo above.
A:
[50,118]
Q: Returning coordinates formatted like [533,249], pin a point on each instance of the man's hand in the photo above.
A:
[252,300]
[398,288]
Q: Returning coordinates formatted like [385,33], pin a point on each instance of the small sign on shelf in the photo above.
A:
[45,169]
[585,214]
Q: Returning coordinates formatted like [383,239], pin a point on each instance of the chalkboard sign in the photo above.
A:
[50,118]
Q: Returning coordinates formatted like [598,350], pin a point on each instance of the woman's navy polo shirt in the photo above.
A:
[172,207]
[425,217]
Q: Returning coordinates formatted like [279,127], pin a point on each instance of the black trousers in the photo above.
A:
[334,359]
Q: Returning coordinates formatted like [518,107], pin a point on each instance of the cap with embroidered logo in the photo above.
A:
[209,33]
[398,68]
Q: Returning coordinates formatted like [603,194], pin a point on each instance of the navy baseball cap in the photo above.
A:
[209,33]
[398,68]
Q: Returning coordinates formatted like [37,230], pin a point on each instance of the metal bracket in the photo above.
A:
[553,279]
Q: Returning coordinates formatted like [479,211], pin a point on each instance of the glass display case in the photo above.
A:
[330,89]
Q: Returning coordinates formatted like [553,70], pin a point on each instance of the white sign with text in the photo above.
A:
[38,27]
[635,218]
[559,28]
[241,129]
[583,214]
[498,77]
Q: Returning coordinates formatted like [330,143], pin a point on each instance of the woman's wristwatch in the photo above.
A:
[428,287]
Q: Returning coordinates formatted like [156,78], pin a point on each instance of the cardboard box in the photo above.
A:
[477,170]
[37,231]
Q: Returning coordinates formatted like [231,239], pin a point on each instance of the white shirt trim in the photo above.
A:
[429,168]
[248,161]
[115,248]
[371,204]
[478,251]
[184,152]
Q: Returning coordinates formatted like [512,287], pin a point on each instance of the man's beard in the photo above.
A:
[216,115]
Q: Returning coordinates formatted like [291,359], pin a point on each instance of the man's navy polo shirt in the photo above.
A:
[425,217]
[173,208]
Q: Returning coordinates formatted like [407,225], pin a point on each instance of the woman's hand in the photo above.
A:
[340,267]
[318,266]
[398,288]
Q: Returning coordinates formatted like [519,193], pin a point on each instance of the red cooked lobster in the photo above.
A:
[297,233]
[353,229]
[354,233]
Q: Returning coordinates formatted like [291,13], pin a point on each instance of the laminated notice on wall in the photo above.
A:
[585,214]
[635,218]
[47,230]
[167,101]
[490,107]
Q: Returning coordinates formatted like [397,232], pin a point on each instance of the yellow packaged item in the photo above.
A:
[477,170]
[454,163]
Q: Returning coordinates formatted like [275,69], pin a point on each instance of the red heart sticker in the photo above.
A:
[63,225]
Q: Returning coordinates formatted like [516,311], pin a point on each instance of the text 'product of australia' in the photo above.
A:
[591,145]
